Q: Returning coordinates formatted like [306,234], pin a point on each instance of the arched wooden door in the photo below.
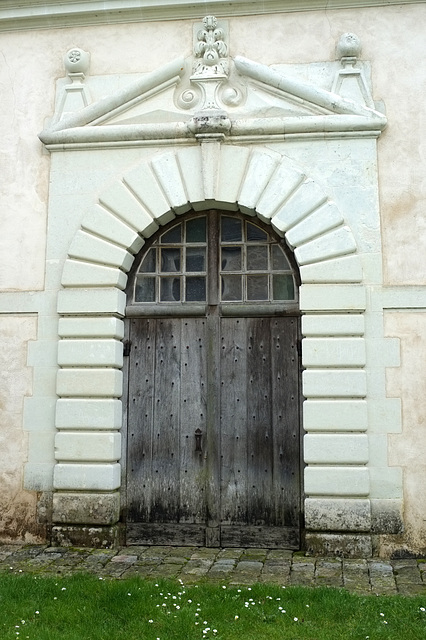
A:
[213,399]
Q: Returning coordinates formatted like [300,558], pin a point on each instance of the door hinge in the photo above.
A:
[126,347]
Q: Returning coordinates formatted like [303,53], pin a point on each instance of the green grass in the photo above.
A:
[87,608]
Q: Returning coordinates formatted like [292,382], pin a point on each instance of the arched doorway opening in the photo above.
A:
[213,406]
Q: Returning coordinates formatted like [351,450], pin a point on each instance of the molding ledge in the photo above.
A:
[47,14]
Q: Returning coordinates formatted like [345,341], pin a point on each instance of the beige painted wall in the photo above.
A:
[32,61]
[408,449]
[17,506]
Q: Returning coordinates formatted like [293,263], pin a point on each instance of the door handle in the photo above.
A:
[198,435]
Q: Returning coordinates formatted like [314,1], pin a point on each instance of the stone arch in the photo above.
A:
[258,182]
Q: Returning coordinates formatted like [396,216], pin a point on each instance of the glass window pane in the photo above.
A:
[170,289]
[231,259]
[170,260]
[231,288]
[173,236]
[283,287]
[195,289]
[196,230]
[196,259]
[231,229]
[279,260]
[257,258]
[145,290]
[257,287]
[255,233]
[148,263]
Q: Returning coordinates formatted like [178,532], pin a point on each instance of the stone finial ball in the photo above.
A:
[349,46]
[76,60]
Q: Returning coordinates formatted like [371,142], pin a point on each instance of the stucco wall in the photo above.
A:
[17,506]
[31,62]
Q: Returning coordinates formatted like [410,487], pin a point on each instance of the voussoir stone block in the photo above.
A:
[87,446]
[337,297]
[90,477]
[90,353]
[306,198]
[83,383]
[86,246]
[85,274]
[283,182]
[346,269]
[319,221]
[232,167]
[326,448]
[261,166]
[337,514]
[142,182]
[88,413]
[166,169]
[121,201]
[101,222]
[86,508]
[337,481]
[97,301]
[190,163]
[334,243]
[91,328]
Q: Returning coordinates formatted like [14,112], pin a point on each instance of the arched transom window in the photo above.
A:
[215,258]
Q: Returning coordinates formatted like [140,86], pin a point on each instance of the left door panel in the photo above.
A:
[167,408]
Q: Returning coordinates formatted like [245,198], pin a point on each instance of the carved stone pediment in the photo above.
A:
[210,93]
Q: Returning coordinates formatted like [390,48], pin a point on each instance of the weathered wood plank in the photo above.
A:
[182,535]
[233,420]
[141,418]
[260,536]
[193,416]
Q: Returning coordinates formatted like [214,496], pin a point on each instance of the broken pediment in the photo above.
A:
[210,93]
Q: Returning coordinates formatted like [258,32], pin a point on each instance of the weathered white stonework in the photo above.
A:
[293,145]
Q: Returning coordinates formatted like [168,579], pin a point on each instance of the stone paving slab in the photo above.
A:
[230,566]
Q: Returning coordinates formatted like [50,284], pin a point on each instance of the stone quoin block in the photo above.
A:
[323,383]
[90,477]
[335,415]
[88,413]
[89,383]
[91,328]
[90,353]
[339,324]
[337,481]
[86,508]
[89,446]
[337,514]
[326,448]
[333,352]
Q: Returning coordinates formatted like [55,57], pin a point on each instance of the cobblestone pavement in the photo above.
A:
[230,566]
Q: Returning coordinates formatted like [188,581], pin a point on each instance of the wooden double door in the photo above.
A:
[213,424]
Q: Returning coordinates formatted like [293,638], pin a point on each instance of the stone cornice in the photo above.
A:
[47,14]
